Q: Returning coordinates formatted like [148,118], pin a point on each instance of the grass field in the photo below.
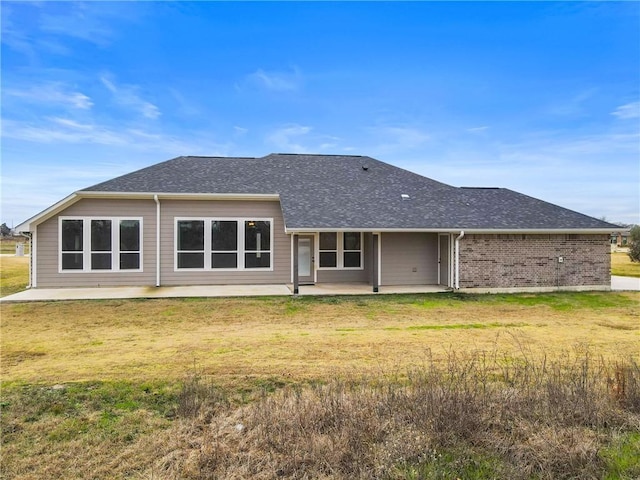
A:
[389,387]
[8,245]
[622,265]
[14,275]
[82,380]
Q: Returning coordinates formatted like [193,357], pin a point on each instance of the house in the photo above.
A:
[620,238]
[305,219]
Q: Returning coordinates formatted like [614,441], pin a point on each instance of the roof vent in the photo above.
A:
[365,168]
[404,196]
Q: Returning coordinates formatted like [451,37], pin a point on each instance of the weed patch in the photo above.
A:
[535,419]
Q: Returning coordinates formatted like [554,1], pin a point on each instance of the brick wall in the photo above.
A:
[511,261]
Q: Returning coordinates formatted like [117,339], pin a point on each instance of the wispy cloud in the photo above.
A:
[60,131]
[51,93]
[573,106]
[294,138]
[127,96]
[275,81]
[286,138]
[629,110]
[481,129]
[397,139]
[545,165]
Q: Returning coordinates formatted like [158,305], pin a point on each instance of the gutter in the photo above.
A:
[155,199]
[458,238]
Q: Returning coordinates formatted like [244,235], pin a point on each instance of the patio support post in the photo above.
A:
[296,282]
[374,271]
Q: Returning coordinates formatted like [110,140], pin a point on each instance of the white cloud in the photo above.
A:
[59,131]
[296,138]
[573,106]
[397,139]
[285,138]
[275,81]
[627,111]
[483,128]
[51,93]
[127,96]
[593,174]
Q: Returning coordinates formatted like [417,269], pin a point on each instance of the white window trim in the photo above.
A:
[240,251]
[340,252]
[86,245]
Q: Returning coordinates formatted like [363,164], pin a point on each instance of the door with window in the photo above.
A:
[305,260]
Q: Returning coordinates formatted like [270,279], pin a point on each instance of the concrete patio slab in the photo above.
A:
[625,283]
[105,293]
[54,294]
[364,289]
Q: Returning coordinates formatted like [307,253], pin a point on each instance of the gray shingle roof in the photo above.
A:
[341,191]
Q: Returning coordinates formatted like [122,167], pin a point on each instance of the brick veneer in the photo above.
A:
[511,261]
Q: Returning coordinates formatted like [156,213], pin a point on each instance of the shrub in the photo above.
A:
[634,244]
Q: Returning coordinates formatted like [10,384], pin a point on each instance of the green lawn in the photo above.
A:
[331,387]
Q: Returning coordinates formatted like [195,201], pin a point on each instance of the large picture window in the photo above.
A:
[340,251]
[100,244]
[223,244]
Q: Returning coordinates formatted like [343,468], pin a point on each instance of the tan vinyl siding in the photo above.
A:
[281,248]
[351,276]
[342,276]
[48,249]
[404,252]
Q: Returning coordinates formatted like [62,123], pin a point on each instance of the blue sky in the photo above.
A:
[542,98]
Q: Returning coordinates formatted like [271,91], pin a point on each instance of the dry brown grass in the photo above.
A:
[535,420]
[622,265]
[14,274]
[297,339]
[121,364]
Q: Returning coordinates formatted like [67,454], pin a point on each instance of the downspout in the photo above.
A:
[157,200]
[458,238]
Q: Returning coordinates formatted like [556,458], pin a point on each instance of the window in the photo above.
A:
[100,244]
[328,250]
[129,244]
[223,244]
[340,251]
[191,244]
[352,252]
[257,241]
[71,244]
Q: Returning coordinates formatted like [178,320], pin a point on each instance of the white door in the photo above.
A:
[305,259]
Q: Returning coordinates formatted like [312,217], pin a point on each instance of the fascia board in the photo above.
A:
[28,225]
[538,231]
[181,196]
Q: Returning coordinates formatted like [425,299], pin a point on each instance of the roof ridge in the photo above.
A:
[218,156]
[318,155]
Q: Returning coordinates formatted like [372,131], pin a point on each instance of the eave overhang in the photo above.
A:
[456,230]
